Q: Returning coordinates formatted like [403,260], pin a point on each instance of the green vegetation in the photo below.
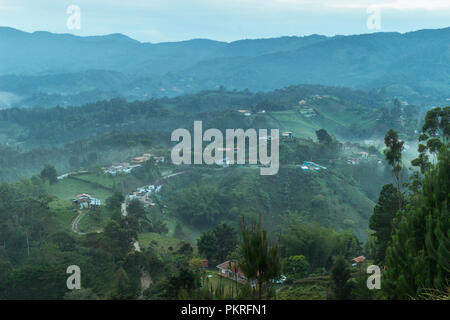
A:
[68,188]
[419,256]
[340,274]
[64,212]
[258,259]
[307,225]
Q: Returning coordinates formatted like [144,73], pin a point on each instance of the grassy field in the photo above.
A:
[64,213]
[67,189]
[300,126]
[335,122]
[103,180]
[94,221]
[162,243]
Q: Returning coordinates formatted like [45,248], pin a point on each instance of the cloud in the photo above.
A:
[393,4]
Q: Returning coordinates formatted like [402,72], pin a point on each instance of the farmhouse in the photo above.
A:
[85,201]
[230,269]
[357,260]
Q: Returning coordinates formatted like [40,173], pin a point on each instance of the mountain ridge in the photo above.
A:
[415,64]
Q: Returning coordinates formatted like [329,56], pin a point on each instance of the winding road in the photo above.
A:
[123,209]
[76,221]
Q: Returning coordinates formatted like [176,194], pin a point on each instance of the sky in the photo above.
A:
[224,20]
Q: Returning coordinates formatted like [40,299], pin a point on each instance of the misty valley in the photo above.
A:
[290,168]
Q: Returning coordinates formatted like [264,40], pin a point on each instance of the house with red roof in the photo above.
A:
[359,259]
[230,269]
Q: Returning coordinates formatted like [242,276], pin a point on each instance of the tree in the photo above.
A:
[184,280]
[49,173]
[136,209]
[296,267]
[257,259]
[178,232]
[226,239]
[340,274]
[195,263]
[329,146]
[121,288]
[435,133]
[115,201]
[217,244]
[207,245]
[419,256]
[381,219]
[393,154]
[323,136]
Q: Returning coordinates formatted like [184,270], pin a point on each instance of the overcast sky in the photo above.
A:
[225,20]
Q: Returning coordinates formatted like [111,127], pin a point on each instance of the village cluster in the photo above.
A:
[355,160]
[144,194]
[126,167]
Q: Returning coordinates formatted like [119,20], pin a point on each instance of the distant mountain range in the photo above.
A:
[47,69]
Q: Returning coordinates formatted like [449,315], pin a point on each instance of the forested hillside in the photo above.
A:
[412,65]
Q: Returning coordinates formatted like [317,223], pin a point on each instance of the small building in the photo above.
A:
[364,154]
[359,259]
[85,201]
[353,161]
[230,269]
[139,160]
[287,134]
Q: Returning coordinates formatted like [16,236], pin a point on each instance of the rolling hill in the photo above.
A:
[415,65]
